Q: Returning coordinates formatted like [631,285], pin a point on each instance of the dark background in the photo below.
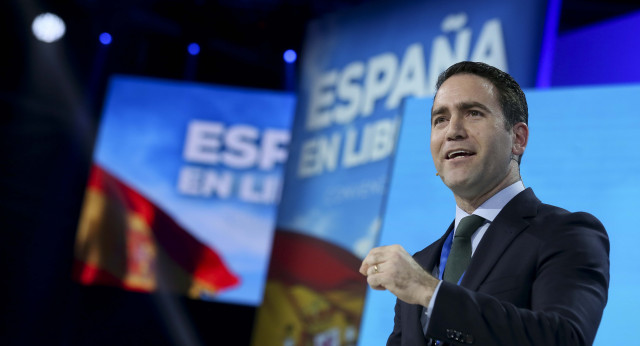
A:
[50,101]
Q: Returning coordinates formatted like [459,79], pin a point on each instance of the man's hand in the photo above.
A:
[392,268]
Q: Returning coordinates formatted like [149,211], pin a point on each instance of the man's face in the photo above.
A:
[470,146]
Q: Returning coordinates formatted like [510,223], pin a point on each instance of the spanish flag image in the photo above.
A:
[124,240]
[314,294]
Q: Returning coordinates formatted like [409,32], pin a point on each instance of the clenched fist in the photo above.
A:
[392,268]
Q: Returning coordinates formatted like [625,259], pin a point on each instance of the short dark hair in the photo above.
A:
[510,96]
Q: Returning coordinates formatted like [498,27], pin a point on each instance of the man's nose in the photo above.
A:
[456,128]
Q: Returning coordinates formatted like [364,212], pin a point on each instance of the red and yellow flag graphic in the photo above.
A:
[124,240]
[314,294]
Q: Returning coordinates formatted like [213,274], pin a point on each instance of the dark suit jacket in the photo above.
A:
[539,276]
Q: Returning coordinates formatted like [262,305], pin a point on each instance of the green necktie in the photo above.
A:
[460,254]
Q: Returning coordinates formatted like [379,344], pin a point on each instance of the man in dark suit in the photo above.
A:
[526,273]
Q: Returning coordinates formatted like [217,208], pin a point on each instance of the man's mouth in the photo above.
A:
[456,154]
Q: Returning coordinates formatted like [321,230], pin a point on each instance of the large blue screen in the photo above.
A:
[581,156]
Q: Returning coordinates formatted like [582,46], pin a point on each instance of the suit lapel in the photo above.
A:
[430,256]
[509,223]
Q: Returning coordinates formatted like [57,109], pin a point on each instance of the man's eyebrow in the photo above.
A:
[472,104]
[438,111]
[465,105]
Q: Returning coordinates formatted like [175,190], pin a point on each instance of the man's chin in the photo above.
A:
[456,182]
[461,186]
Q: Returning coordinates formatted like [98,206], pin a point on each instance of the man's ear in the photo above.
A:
[520,133]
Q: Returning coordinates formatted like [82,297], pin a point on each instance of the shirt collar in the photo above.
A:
[491,207]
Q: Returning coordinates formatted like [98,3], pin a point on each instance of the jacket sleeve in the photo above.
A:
[396,335]
[568,295]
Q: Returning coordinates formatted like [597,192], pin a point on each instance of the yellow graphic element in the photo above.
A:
[298,315]
[141,255]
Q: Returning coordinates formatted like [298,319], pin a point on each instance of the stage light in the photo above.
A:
[194,49]
[290,56]
[48,27]
[105,38]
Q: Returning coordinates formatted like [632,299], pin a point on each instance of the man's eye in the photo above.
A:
[475,113]
[438,120]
